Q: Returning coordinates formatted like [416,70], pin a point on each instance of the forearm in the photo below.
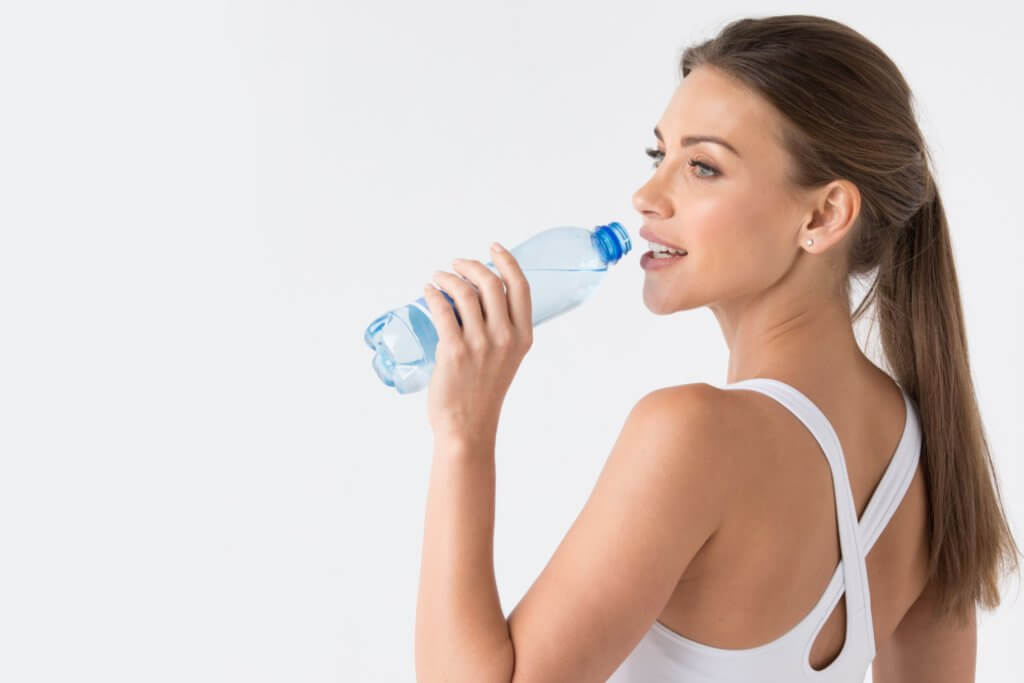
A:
[461,631]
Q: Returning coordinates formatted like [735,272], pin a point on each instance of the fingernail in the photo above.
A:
[497,247]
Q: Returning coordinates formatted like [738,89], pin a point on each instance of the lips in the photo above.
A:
[647,234]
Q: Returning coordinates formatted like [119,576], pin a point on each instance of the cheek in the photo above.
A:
[737,242]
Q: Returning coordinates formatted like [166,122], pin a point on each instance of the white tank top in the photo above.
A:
[664,656]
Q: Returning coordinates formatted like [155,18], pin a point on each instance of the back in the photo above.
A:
[924,648]
[768,596]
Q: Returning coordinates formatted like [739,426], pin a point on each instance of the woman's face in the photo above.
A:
[736,216]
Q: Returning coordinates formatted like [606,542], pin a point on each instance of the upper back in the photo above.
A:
[773,571]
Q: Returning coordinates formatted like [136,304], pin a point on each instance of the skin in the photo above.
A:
[745,229]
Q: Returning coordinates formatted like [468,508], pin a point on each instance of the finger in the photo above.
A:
[520,305]
[466,300]
[492,293]
[443,315]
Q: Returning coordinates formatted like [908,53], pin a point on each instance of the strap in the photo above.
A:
[894,483]
[854,570]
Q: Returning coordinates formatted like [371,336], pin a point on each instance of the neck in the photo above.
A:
[778,334]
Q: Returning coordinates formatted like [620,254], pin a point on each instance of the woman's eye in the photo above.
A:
[713,171]
[658,155]
[655,154]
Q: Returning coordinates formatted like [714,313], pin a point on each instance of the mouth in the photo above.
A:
[656,243]
[653,260]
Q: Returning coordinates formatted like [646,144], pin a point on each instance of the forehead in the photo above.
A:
[709,102]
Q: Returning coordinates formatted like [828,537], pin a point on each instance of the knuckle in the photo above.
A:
[458,351]
[504,338]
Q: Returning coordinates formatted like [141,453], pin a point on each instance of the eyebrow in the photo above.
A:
[694,139]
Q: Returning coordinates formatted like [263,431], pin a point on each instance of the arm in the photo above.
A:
[924,648]
[659,497]
[461,632]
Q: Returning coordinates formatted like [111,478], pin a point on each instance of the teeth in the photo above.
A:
[662,249]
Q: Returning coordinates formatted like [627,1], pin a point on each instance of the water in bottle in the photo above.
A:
[563,266]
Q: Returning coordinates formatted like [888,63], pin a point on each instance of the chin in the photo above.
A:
[660,303]
[663,300]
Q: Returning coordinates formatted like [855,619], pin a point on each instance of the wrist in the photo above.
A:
[462,445]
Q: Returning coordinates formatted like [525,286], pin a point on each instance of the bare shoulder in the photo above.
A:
[702,418]
[697,397]
[659,498]
[717,412]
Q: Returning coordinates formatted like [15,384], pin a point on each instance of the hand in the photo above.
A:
[475,364]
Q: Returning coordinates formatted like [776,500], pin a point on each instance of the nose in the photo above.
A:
[649,199]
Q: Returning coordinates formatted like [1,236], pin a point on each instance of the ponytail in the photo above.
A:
[921,326]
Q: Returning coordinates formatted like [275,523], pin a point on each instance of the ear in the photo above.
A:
[834,211]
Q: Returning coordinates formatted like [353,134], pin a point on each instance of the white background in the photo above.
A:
[204,203]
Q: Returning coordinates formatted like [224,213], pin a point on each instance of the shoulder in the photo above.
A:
[694,394]
[661,495]
[694,429]
[699,410]
[708,426]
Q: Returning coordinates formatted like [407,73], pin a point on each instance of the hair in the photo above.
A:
[847,112]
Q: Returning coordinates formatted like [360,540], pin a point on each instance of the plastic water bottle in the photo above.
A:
[563,266]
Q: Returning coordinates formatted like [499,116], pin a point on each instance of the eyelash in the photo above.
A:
[658,154]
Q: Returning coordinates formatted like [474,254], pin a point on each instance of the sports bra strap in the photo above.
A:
[858,598]
[893,485]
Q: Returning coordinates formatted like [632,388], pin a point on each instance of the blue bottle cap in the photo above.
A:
[613,241]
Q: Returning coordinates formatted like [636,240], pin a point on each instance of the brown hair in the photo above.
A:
[847,113]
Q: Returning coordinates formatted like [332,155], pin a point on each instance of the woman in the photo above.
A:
[816,514]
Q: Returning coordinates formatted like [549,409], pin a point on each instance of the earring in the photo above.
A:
[810,242]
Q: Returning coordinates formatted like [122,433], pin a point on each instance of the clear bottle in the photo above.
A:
[563,266]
